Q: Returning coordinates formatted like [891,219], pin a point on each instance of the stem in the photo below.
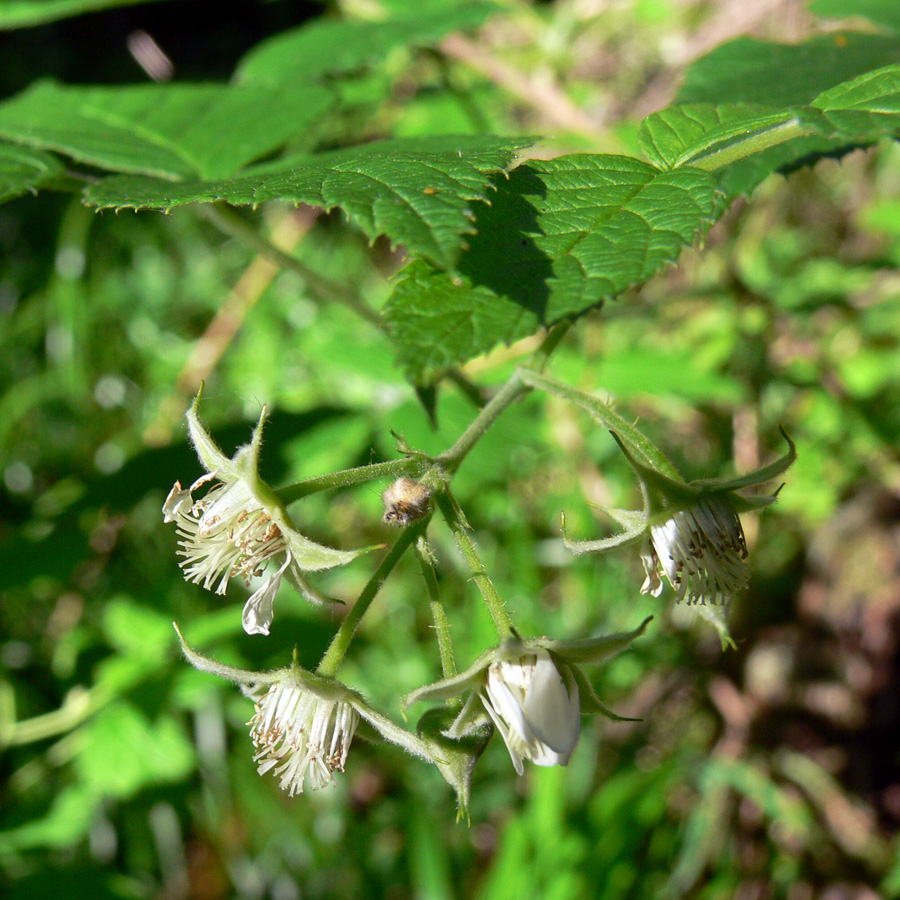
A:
[506,396]
[454,518]
[509,393]
[553,339]
[225,219]
[393,468]
[341,641]
[756,143]
[439,614]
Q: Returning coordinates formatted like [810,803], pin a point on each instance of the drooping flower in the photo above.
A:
[534,704]
[240,528]
[533,691]
[298,733]
[304,723]
[690,532]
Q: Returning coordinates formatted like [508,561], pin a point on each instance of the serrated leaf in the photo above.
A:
[751,71]
[856,112]
[22,13]
[166,130]
[673,135]
[559,237]
[23,169]
[336,47]
[419,192]
[881,12]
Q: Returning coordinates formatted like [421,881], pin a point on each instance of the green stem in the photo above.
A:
[412,466]
[453,515]
[225,219]
[511,391]
[439,614]
[508,393]
[756,143]
[341,641]
[553,339]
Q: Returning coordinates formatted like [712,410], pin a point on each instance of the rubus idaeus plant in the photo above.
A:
[481,240]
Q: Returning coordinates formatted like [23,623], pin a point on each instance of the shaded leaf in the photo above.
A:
[881,12]
[751,71]
[167,130]
[419,192]
[559,237]
[22,13]
[334,47]
[23,169]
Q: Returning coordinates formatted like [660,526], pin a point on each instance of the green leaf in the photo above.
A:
[751,71]
[23,169]
[21,13]
[881,12]
[120,752]
[558,238]
[856,112]
[419,192]
[167,130]
[336,47]
[674,135]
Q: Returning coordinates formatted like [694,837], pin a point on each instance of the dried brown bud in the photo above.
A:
[405,501]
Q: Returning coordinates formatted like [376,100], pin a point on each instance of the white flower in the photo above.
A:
[298,734]
[690,531]
[240,528]
[701,550]
[535,706]
[533,691]
[304,722]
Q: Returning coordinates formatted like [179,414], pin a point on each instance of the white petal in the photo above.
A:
[508,702]
[503,728]
[552,709]
[177,500]
[260,608]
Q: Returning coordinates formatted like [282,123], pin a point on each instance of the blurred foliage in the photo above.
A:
[766,772]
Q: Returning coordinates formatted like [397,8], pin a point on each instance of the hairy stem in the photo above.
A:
[756,143]
[412,466]
[460,528]
[439,614]
[341,641]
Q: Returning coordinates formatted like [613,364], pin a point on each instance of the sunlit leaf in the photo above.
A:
[559,237]
[419,192]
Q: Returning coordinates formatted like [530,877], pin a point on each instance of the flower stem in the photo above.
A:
[439,614]
[341,641]
[508,393]
[454,517]
[393,468]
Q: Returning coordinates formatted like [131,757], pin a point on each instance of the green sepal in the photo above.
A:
[633,521]
[760,476]
[232,673]
[213,459]
[717,616]
[455,686]
[455,757]
[589,650]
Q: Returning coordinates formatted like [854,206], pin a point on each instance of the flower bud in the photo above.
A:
[405,501]
[534,704]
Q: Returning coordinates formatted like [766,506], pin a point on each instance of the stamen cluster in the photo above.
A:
[297,733]
[702,552]
[225,533]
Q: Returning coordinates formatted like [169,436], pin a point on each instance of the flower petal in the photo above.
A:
[260,608]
